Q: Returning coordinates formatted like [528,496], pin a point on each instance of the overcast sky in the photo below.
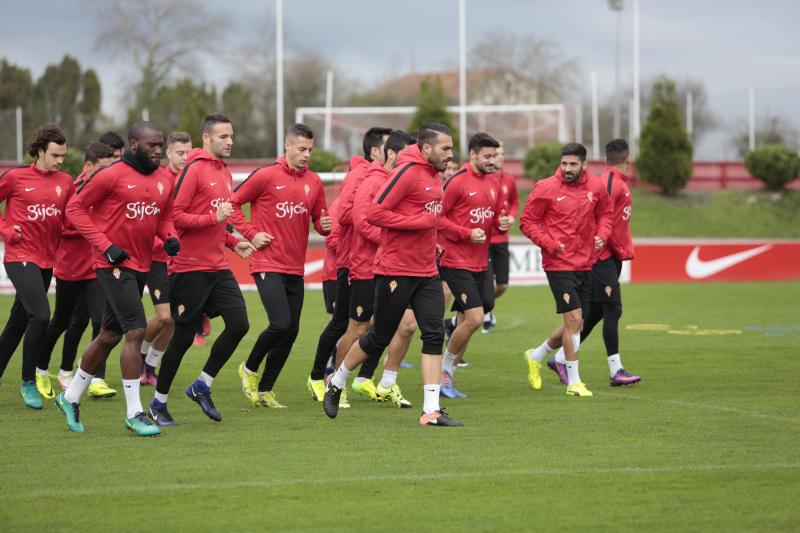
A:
[726,45]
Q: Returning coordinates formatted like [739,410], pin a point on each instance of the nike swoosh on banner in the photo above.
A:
[313,266]
[696,268]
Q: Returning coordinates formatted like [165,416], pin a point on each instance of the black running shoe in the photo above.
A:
[330,402]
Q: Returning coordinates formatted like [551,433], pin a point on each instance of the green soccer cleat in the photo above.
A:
[317,388]
[365,388]
[268,399]
[534,371]
[72,413]
[142,426]
[30,395]
[100,389]
[44,386]
[393,395]
[249,384]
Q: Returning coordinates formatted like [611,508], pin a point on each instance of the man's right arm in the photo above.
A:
[245,193]
[91,193]
[532,218]
[380,212]
[185,189]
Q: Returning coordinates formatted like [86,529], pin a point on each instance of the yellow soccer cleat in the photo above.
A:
[534,371]
[317,388]
[578,389]
[343,401]
[44,386]
[393,395]
[364,388]
[100,389]
[249,384]
[268,399]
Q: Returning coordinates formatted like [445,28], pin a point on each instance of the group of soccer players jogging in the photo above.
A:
[408,232]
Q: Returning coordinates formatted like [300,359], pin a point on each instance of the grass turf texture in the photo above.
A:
[708,440]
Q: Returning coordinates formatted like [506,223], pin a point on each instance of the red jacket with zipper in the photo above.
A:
[358,170]
[620,242]
[74,256]
[508,190]
[366,237]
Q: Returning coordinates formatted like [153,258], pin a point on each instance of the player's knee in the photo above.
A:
[573,321]
[432,343]
[135,336]
[108,338]
[500,289]
[236,322]
[612,311]
[473,319]
[39,320]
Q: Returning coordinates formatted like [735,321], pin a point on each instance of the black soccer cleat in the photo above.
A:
[330,402]
[437,418]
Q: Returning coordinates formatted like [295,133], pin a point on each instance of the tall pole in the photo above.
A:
[19,133]
[578,123]
[617,6]
[689,114]
[462,74]
[752,130]
[595,119]
[637,124]
[328,105]
[278,77]
[146,115]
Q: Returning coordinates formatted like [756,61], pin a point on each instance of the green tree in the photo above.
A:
[55,96]
[16,89]
[542,160]
[432,107]
[181,106]
[237,104]
[665,151]
[774,165]
[323,160]
[89,107]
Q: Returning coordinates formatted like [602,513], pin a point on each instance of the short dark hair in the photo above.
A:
[112,139]
[397,140]
[574,149]
[211,120]
[97,151]
[300,130]
[428,132]
[178,137]
[482,140]
[617,151]
[138,128]
[47,133]
[373,139]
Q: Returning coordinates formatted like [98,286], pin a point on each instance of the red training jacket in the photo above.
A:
[366,237]
[35,201]
[74,256]
[406,207]
[120,205]
[283,202]
[331,242]
[508,190]
[358,170]
[159,255]
[201,186]
[569,213]
[620,242]
[471,200]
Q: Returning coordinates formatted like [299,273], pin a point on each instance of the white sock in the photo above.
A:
[339,379]
[572,372]
[454,321]
[560,356]
[205,378]
[487,317]
[97,380]
[431,398]
[449,362]
[542,351]
[360,379]
[65,373]
[145,348]
[388,379]
[41,372]
[248,371]
[160,397]
[131,388]
[153,357]
[614,364]
[78,386]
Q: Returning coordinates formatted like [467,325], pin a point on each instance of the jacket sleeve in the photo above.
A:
[347,201]
[603,214]
[363,198]
[6,187]
[380,212]
[447,227]
[231,240]
[183,197]
[531,220]
[92,192]
[318,207]
[245,193]
[166,226]
[513,198]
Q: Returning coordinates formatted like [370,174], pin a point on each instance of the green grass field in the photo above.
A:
[707,441]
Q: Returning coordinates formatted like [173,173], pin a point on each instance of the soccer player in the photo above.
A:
[452,167]
[606,299]
[119,210]
[35,197]
[407,207]
[200,280]
[285,198]
[498,249]
[568,216]
[329,263]
[79,296]
[115,141]
[160,326]
[343,329]
[473,210]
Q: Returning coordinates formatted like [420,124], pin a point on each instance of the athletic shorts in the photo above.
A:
[571,289]
[158,283]
[393,295]
[329,295]
[362,299]
[123,288]
[499,261]
[605,281]
[194,294]
[469,289]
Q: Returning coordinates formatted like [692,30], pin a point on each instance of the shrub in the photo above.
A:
[775,165]
[323,160]
[542,160]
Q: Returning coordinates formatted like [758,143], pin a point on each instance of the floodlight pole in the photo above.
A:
[636,89]
[19,133]
[462,75]
[328,105]
[278,77]
[689,114]
[578,123]
[752,129]
[595,119]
